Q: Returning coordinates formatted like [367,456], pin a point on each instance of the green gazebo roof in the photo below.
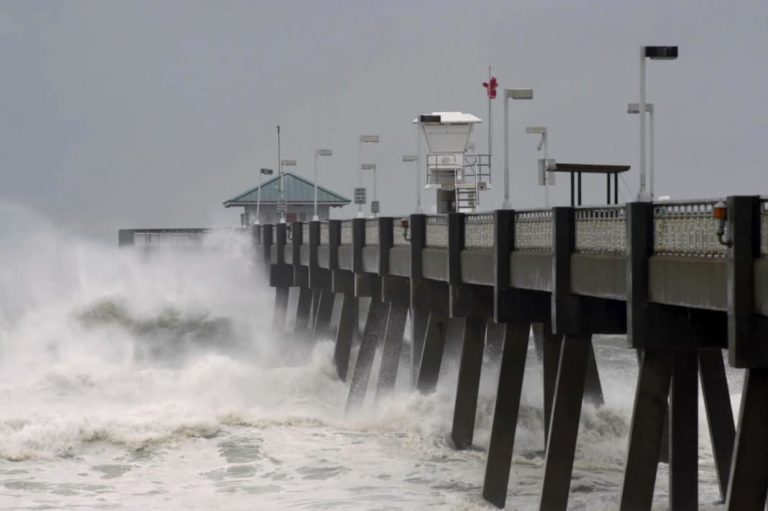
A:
[297,191]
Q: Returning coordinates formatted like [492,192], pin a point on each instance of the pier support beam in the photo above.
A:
[515,349]
[684,432]
[432,353]
[322,322]
[717,403]
[419,321]
[302,311]
[645,434]
[748,484]
[281,309]
[393,344]
[373,332]
[550,350]
[342,282]
[566,411]
[465,408]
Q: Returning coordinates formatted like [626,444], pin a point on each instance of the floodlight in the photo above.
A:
[519,93]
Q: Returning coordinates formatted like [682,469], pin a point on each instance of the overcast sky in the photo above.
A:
[152,113]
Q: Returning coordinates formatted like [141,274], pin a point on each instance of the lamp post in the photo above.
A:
[372,168]
[258,193]
[283,206]
[410,158]
[514,94]
[634,108]
[543,144]
[653,53]
[319,152]
[364,139]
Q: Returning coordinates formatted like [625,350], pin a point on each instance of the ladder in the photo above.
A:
[466,197]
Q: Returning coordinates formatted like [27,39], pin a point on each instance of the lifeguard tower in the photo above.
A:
[456,175]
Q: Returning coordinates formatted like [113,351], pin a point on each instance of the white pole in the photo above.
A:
[490,123]
[506,204]
[282,184]
[258,200]
[373,214]
[359,177]
[546,174]
[642,195]
[418,166]
[315,218]
[653,172]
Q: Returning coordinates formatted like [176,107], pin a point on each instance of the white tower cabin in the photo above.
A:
[456,175]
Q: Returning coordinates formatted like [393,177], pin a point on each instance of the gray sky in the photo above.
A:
[151,113]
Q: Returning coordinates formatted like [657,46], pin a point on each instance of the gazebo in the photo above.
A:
[299,199]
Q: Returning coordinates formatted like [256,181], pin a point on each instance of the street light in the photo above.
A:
[364,139]
[653,53]
[634,108]
[262,172]
[319,152]
[410,158]
[371,167]
[543,144]
[514,94]
[283,206]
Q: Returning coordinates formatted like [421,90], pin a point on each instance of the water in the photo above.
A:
[130,381]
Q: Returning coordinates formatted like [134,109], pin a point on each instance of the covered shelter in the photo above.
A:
[577,169]
[299,201]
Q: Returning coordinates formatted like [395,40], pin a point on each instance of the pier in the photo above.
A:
[657,272]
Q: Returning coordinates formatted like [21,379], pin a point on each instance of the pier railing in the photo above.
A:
[600,230]
[478,231]
[686,229]
[346,232]
[169,237]
[533,230]
[436,231]
[372,232]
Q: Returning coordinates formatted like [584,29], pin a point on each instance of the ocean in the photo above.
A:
[135,380]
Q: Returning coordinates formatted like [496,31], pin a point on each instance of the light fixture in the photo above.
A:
[318,152]
[653,53]
[513,94]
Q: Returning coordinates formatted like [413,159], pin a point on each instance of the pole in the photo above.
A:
[258,200]
[282,184]
[506,204]
[653,172]
[373,214]
[315,217]
[490,123]
[546,174]
[359,176]
[418,166]
[642,195]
